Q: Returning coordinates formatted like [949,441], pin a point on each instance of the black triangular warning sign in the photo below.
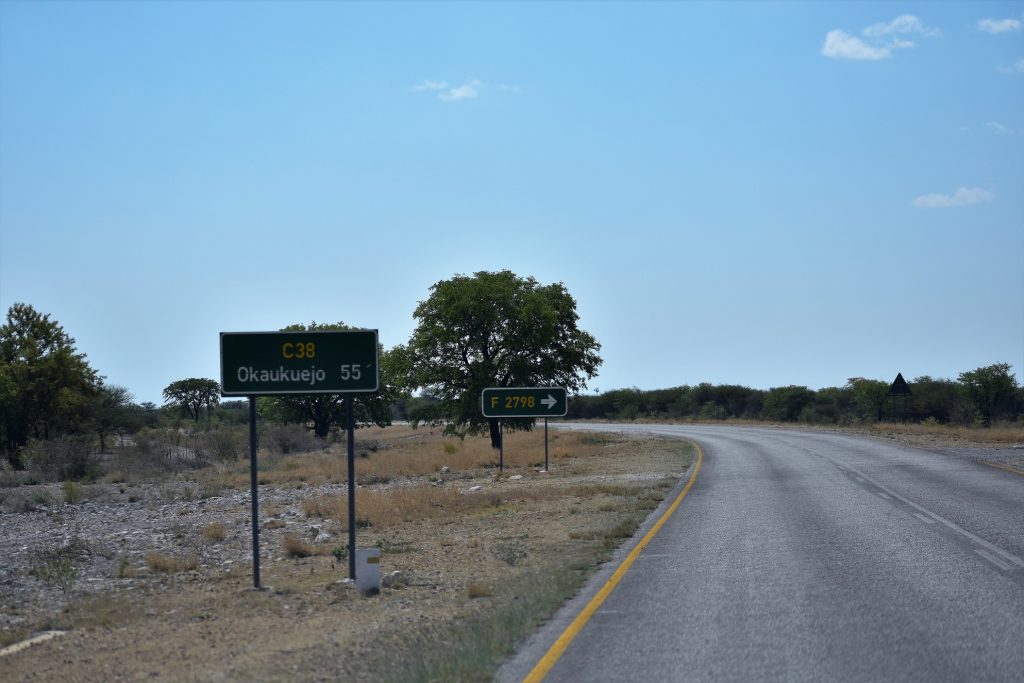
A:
[899,386]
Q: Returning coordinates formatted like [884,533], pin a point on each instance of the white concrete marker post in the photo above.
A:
[368,570]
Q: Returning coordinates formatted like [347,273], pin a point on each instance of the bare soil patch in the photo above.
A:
[152,580]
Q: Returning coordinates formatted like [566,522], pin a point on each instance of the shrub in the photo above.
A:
[56,567]
[73,493]
[215,531]
[225,443]
[289,438]
[67,457]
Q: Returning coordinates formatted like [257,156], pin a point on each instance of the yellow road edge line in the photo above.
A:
[1008,468]
[551,657]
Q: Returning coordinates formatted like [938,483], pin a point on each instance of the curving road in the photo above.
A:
[802,556]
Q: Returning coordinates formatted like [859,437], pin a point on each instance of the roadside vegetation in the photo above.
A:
[987,397]
[60,422]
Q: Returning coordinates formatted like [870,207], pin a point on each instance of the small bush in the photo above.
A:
[214,532]
[67,457]
[56,567]
[57,572]
[124,569]
[226,443]
[509,553]
[286,439]
[73,493]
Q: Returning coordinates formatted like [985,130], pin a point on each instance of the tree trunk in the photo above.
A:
[495,434]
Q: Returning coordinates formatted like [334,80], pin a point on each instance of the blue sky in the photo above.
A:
[762,194]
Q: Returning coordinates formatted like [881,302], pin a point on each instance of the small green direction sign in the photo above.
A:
[320,362]
[524,402]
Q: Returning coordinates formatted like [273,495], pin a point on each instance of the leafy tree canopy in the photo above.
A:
[45,385]
[494,329]
[192,395]
[992,390]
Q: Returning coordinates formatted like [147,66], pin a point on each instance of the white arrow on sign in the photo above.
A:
[550,401]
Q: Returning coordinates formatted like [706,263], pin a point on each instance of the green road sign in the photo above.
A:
[524,402]
[322,362]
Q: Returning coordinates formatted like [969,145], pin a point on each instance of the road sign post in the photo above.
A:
[523,402]
[299,362]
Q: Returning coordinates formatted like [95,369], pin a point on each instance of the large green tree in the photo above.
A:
[193,396]
[326,410]
[992,390]
[46,385]
[494,329]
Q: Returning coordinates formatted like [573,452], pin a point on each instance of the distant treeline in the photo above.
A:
[976,398]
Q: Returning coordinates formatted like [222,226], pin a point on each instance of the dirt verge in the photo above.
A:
[152,580]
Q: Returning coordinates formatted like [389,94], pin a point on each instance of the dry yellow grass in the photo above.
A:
[213,532]
[478,589]
[403,453]
[160,562]
[294,546]
[996,434]
[381,509]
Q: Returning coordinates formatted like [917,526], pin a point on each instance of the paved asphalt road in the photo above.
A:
[801,556]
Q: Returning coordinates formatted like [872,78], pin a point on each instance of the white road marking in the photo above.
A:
[1002,565]
[882,495]
[995,550]
[926,520]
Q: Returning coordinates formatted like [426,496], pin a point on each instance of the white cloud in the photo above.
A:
[430,85]
[962,197]
[877,41]
[905,23]
[999,25]
[841,45]
[450,93]
[997,127]
[466,91]
[1018,66]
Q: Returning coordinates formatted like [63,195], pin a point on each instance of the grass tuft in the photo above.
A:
[170,564]
[294,546]
[214,532]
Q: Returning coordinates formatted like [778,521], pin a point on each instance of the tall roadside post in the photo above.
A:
[299,363]
[253,494]
[525,402]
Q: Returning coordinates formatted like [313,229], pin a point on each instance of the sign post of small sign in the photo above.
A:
[297,363]
[512,402]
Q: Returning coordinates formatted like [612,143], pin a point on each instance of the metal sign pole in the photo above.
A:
[501,448]
[545,444]
[351,490]
[254,494]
